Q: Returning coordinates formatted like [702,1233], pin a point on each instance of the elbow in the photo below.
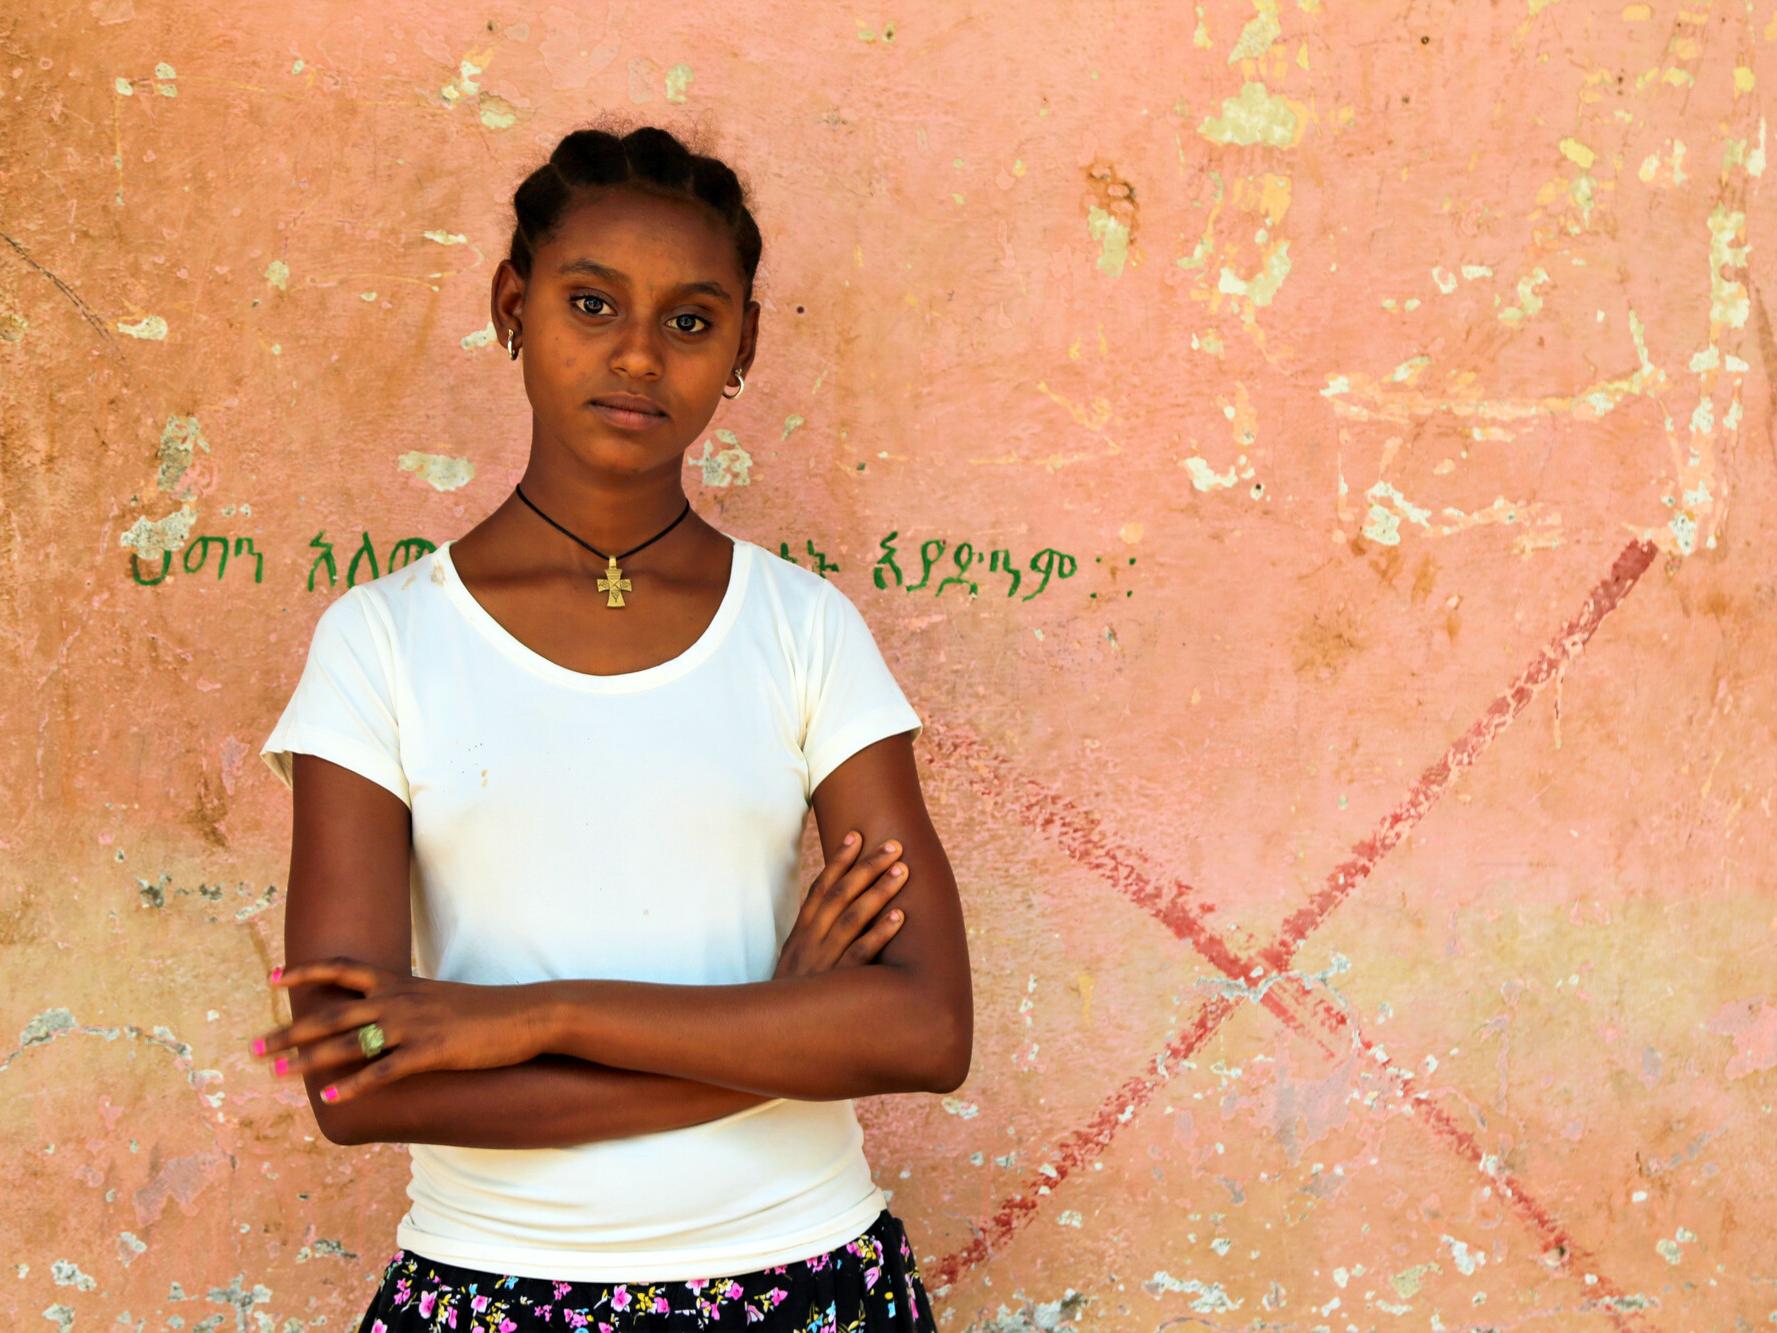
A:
[338,1124]
[337,1129]
[952,1070]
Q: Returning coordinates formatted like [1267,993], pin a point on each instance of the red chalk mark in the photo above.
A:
[1077,833]
[1077,1148]
[1556,657]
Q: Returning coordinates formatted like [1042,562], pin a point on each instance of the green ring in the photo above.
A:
[371,1040]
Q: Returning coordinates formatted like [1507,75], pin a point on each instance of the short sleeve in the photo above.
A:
[344,706]
[851,698]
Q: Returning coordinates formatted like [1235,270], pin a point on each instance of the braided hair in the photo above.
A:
[648,158]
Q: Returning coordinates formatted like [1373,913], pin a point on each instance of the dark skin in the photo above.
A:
[556,1063]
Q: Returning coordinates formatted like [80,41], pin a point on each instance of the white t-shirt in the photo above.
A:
[643,826]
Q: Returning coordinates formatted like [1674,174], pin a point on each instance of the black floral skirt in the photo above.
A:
[867,1285]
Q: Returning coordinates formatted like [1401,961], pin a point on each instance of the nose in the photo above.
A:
[635,353]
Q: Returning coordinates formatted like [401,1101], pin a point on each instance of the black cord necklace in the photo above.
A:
[612,580]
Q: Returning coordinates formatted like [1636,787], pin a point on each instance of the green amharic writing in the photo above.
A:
[968,566]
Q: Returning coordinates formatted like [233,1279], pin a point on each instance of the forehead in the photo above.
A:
[655,241]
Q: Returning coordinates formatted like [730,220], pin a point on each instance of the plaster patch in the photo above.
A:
[731,467]
[1112,236]
[153,538]
[1254,116]
[67,1274]
[442,472]
[1211,1298]
[1206,478]
[150,327]
[180,438]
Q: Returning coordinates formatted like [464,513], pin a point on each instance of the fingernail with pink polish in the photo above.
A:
[259,1046]
[282,1064]
[329,1094]
[276,972]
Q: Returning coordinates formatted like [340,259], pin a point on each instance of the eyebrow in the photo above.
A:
[598,270]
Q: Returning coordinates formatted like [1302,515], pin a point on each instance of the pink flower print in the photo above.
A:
[870,1276]
[403,1292]
[543,1312]
[620,1298]
[575,1318]
[604,1327]
[450,1316]
[562,1289]
[379,1327]
[478,1304]
[427,1301]
[817,1262]
[507,1326]
[754,1315]
[697,1283]
[777,1295]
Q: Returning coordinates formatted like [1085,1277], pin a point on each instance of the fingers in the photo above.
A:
[383,1070]
[348,972]
[323,1022]
[843,901]
[839,863]
[871,942]
[868,905]
[864,874]
[329,1053]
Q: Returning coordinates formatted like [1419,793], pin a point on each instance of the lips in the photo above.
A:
[623,418]
[627,403]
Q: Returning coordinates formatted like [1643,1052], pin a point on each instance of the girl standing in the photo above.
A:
[563,763]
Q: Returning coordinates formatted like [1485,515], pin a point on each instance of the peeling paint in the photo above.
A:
[442,472]
[731,467]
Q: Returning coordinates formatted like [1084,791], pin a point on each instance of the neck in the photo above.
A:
[612,521]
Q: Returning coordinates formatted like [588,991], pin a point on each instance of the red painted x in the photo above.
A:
[1265,976]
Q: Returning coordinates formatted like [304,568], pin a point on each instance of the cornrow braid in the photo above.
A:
[649,158]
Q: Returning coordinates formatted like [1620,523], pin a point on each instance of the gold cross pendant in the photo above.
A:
[613,582]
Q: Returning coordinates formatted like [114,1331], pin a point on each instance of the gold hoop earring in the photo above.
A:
[738,392]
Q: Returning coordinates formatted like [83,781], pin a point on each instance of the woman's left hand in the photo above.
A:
[426,1024]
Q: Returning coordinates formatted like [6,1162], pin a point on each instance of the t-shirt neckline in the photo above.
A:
[706,643]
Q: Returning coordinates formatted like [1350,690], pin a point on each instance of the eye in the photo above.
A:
[594,296]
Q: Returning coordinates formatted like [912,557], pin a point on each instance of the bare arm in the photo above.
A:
[548,1102]
[350,844]
[903,1025]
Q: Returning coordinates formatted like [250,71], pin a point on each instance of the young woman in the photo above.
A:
[580,743]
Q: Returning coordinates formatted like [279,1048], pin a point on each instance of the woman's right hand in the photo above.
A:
[842,922]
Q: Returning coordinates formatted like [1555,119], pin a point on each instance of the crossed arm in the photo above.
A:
[632,1057]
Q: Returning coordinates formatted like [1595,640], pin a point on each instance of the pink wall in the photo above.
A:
[1364,848]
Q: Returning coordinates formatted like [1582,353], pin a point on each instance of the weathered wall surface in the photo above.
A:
[1362,800]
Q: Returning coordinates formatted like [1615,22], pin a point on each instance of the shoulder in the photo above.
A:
[796,593]
[412,589]
[386,611]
